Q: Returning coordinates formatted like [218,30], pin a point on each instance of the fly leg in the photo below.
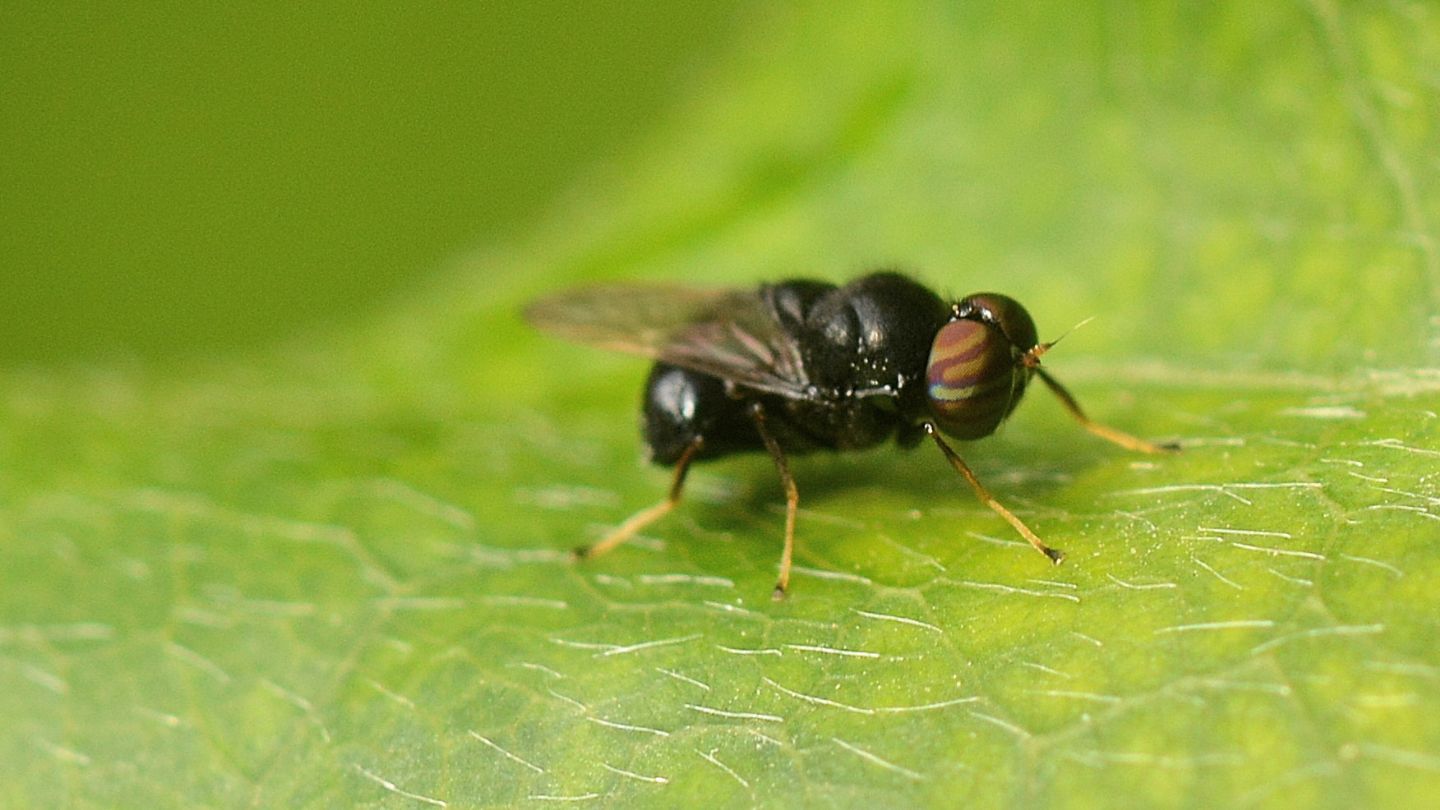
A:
[986,498]
[1107,433]
[792,499]
[649,514]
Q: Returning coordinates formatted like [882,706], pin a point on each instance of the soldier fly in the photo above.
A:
[801,366]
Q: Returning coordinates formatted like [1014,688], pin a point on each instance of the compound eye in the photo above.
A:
[973,381]
[1008,314]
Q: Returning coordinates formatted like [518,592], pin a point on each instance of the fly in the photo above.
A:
[801,366]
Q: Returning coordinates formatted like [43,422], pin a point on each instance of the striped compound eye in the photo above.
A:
[975,377]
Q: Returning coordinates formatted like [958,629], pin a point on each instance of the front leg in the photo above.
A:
[1055,554]
[1105,432]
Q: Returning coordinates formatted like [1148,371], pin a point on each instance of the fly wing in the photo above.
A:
[735,335]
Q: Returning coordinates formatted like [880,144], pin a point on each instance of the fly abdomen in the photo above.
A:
[681,406]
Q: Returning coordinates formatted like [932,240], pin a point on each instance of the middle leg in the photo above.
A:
[792,498]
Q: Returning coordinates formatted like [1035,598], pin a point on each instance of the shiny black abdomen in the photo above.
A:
[681,405]
[865,346]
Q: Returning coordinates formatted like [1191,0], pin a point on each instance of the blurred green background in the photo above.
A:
[333,574]
[188,179]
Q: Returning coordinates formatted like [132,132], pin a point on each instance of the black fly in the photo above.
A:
[805,365]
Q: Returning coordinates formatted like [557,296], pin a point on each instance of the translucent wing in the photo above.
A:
[735,335]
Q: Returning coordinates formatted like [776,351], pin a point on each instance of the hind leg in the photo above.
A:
[648,515]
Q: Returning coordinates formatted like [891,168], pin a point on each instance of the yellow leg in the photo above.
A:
[645,516]
[986,498]
[792,501]
[1109,434]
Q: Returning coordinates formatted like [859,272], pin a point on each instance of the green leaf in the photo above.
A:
[336,575]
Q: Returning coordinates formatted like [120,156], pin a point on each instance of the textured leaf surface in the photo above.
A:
[336,575]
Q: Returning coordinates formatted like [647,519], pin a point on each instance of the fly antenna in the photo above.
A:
[1031,359]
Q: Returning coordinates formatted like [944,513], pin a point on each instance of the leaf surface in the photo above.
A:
[336,574]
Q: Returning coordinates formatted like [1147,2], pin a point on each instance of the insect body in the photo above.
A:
[801,366]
